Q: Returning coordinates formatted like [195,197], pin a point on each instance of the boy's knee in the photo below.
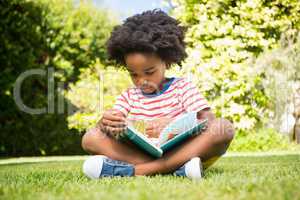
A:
[222,131]
[228,131]
[89,138]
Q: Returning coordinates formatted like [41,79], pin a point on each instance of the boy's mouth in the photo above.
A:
[147,89]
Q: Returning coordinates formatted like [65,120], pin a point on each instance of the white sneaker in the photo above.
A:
[192,169]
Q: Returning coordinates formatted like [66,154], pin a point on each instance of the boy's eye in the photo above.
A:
[149,73]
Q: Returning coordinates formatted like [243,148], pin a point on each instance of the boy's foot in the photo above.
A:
[192,169]
[101,166]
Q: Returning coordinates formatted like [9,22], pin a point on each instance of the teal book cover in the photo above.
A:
[171,136]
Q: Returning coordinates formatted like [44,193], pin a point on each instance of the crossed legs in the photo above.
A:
[210,144]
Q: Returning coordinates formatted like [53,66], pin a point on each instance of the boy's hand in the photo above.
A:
[154,127]
[112,122]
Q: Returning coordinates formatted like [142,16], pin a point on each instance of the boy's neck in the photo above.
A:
[161,85]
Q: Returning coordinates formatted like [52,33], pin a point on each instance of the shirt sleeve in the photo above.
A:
[192,99]
[122,103]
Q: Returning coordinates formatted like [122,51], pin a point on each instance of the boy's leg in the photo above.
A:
[210,144]
[96,142]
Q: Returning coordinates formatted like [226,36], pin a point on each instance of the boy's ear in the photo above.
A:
[169,65]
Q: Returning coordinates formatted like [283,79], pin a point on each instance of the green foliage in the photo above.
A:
[223,37]
[38,35]
[261,140]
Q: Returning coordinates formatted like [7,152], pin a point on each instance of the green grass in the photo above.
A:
[233,177]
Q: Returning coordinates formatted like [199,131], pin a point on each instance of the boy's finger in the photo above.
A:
[107,122]
[116,112]
[113,117]
[114,131]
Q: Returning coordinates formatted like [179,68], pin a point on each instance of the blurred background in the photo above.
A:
[55,79]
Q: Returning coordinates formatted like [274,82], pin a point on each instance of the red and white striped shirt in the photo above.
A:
[179,97]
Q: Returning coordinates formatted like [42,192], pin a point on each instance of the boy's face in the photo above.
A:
[147,71]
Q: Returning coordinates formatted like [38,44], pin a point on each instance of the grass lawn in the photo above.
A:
[266,176]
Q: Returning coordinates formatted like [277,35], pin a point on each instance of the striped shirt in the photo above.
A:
[178,96]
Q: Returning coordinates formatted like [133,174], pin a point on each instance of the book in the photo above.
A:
[177,131]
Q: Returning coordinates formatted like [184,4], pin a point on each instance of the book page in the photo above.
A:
[179,125]
[140,126]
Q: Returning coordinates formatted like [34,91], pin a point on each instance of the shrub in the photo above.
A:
[36,35]
[223,37]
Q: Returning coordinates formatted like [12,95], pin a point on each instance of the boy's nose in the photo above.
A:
[142,82]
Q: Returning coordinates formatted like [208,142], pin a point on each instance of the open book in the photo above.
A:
[172,135]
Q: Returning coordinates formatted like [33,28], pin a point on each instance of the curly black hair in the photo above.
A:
[152,31]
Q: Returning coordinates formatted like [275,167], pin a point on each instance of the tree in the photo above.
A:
[223,37]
